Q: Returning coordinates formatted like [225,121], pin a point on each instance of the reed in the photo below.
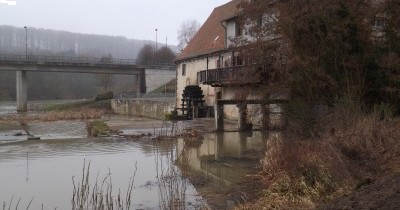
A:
[169,130]
[100,195]
[10,205]
[171,184]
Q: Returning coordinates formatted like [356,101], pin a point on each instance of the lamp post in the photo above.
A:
[26,42]
[156,39]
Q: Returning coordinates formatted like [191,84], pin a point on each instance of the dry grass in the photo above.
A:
[303,173]
[84,114]
[172,185]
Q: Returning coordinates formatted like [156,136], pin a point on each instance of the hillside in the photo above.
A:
[52,42]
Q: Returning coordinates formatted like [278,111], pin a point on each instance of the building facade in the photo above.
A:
[212,62]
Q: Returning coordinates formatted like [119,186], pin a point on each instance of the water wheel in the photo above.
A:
[192,100]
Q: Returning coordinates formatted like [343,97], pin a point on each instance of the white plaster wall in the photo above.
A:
[230,32]
[192,68]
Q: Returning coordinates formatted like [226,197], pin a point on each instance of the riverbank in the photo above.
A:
[352,164]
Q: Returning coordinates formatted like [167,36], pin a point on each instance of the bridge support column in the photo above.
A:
[22,91]
[219,116]
[242,121]
[139,85]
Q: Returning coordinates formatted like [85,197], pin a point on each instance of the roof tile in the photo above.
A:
[211,35]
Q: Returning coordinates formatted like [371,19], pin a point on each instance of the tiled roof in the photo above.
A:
[211,35]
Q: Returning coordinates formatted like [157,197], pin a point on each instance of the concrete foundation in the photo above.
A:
[219,116]
[143,108]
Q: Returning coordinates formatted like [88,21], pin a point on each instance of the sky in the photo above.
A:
[135,19]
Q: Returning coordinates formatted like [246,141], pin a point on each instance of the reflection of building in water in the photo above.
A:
[224,158]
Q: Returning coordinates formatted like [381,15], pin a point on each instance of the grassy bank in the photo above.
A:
[98,128]
[350,152]
[82,110]
[90,104]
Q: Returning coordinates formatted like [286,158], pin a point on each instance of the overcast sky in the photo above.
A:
[130,18]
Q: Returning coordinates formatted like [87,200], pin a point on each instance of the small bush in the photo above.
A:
[97,128]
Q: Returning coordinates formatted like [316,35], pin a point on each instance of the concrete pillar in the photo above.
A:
[139,85]
[242,120]
[219,146]
[243,143]
[219,116]
[22,91]
[265,116]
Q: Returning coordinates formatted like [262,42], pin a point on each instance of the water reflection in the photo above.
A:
[7,108]
[223,158]
[218,162]
[43,169]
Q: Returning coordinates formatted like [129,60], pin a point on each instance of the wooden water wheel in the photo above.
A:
[192,100]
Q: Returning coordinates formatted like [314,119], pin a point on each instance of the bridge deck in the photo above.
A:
[75,64]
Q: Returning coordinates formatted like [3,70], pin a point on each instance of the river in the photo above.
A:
[43,170]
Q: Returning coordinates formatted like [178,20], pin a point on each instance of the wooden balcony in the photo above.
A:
[233,76]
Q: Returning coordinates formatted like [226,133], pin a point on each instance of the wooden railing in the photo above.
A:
[231,76]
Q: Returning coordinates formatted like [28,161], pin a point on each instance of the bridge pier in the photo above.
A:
[139,85]
[22,91]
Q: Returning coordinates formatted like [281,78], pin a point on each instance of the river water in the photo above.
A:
[43,170]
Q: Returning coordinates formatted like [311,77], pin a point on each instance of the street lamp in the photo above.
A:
[26,42]
[156,39]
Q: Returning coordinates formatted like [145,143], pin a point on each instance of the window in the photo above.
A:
[238,61]
[260,20]
[218,63]
[239,29]
[379,22]
[184,69]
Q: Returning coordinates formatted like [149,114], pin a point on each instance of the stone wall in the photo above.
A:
[151,108]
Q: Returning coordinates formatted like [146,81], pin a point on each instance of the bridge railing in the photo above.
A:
[70,60]
[64,60]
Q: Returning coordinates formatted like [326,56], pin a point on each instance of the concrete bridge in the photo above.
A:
[22,64]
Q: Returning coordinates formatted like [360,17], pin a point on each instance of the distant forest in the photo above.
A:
[61,43]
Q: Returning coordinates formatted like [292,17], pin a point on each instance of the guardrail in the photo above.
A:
[64,59]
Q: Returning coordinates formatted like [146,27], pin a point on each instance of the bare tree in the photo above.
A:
[326,47]
[164,55]
[186,32]
[146,55]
